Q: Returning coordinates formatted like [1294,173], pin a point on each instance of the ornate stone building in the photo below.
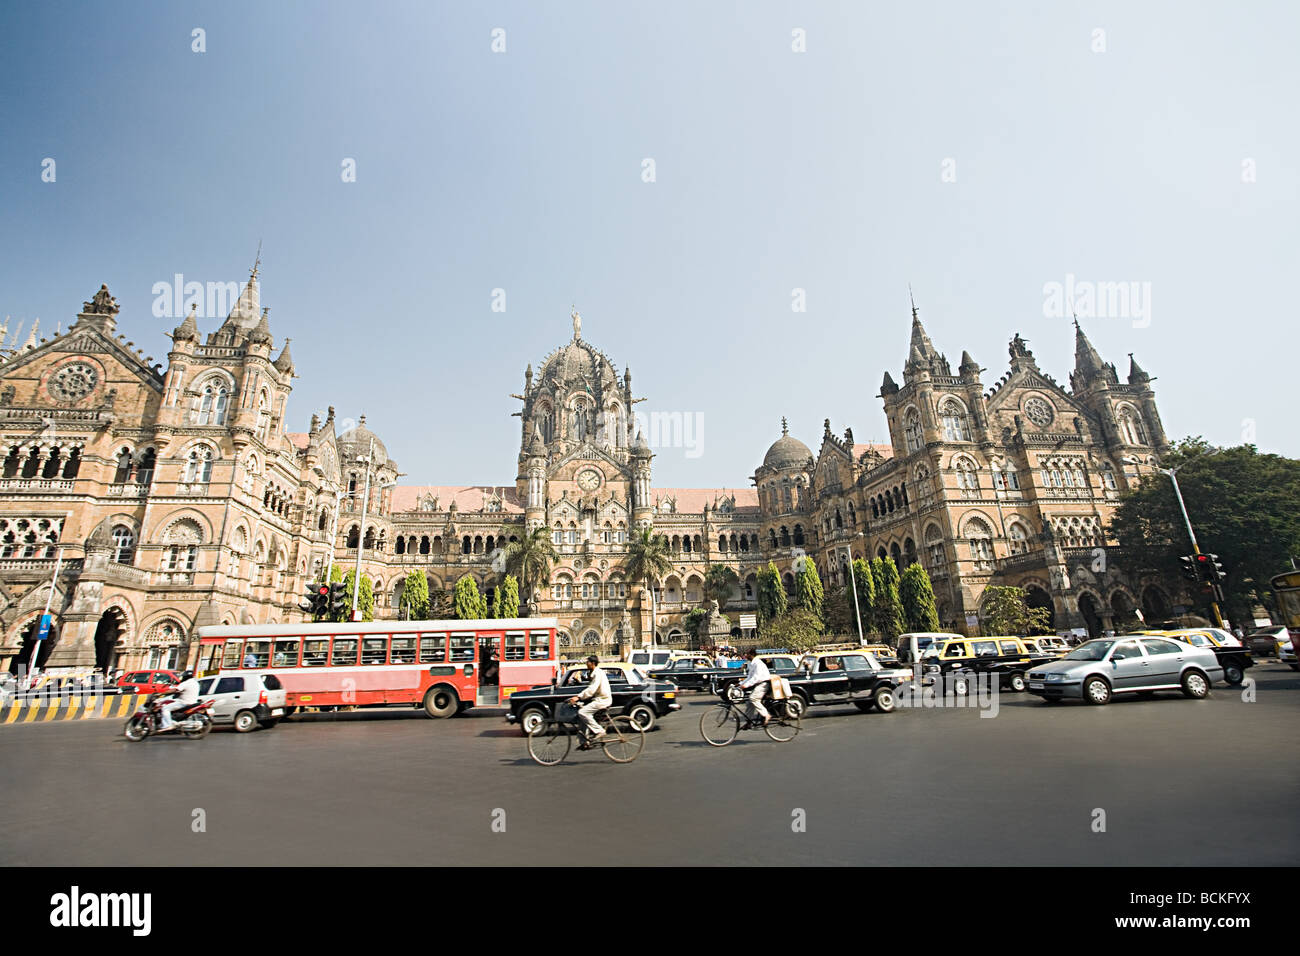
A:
[178,498]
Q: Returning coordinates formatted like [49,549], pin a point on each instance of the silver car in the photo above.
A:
[247,699]
[1133,664]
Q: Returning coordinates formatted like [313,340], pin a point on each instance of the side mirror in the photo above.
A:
[1116,657]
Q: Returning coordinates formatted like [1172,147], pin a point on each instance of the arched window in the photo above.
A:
[980,537]
[912,430]
[1131,429]
[967,477]
[953,419]
[123,473]
[354,536]
[1017,538]
[123,544]
[198,465]
[798,535]
[934,550]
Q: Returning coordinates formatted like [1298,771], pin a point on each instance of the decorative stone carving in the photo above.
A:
[101,303]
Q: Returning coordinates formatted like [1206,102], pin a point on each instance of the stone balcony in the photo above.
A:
[36,484]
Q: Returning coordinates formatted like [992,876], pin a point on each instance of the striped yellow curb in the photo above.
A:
[92,707]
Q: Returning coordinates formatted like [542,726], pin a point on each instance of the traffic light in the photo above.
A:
[1209,567]
[1188,566]
[318,598]
[309,605]
[337,599]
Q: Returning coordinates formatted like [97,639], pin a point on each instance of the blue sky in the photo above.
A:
[823,171]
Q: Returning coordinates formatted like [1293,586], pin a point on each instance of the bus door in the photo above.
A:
[489,662]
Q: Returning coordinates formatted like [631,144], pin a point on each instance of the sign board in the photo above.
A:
[44,630]
[972,620]
[749,620]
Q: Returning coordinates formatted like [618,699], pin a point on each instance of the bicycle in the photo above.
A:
[720,724]
[550,741]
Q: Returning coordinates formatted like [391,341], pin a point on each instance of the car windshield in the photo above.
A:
[1092,651]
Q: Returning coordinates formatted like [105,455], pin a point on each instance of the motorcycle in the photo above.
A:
[193,721]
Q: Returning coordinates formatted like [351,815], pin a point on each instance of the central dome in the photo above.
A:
[356,442]
[574,364]
[787,451]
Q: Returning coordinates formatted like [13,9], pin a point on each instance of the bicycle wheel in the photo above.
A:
[782,727]
[549,743]
[719,725]
[623,740]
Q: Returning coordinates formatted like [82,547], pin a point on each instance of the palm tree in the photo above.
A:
[648,561]
[719,581]
[530,560]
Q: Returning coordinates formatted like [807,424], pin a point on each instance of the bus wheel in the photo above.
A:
[440,701]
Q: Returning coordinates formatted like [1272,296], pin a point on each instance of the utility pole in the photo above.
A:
[854,581]
[1196,549]
[361,536]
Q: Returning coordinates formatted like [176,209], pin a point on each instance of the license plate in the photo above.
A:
[1036,685]
[278,712]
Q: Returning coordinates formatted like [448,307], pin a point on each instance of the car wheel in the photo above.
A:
[884,700]
[1016,682]
[441,702]
[643,716]
[245,721]
[795,706]
[532,720]
[1196,685]
[1233,674]
[1096,691]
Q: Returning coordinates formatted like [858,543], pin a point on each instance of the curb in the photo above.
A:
[70,707]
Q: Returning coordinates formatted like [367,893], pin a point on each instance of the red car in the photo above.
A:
[148,682]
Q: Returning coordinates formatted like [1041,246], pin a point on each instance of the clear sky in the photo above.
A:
[978,151]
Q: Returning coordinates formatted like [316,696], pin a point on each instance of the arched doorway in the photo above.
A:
[1155,606]
[1125,618]
[1091,614]
[1037,597]
[107,633]
[22,660]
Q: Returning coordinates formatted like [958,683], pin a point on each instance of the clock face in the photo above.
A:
[1039,412]
[589,479]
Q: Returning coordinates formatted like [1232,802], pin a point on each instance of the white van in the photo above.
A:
[924,640]
[646,658]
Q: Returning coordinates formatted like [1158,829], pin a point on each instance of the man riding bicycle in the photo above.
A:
[597,696]
[756,680]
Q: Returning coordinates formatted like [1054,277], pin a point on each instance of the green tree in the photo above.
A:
[1005,610]
[720,581]
[920,612]
[694,623]
[797,630]
[772,601]
[647,561]
[365,597]
[415,595]
[508,597]
[530,560]
[837,612]
[470,604]
[887,610]
[808,591]
[865,583]
[1242,505]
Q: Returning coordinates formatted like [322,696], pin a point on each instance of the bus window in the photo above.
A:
[462,647]
[515,645]
[433,648]
[286,653]
[344,651]
[315,653]
[539,646]
[234,655]
[403,650]
[374,650]
[257,654]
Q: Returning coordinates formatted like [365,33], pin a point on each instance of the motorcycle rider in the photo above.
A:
[186,693]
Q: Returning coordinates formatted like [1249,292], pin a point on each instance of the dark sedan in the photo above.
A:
[640,698]
[695,673]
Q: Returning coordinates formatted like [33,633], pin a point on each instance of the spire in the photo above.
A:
[32,339]
[245,312]
[536,447]
[1086,358]
[966,360]
[284,364]
[187,331]
[785,427]
[1136,374]
[639,447]
[262,334]
[888,386]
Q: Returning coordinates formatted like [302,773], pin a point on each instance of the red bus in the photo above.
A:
[446,667]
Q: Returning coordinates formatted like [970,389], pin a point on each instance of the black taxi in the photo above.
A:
[847,677]
[639,697]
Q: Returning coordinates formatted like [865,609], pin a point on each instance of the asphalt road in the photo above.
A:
[1181,782]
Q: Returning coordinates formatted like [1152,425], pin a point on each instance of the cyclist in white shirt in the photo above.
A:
[756,681]
[597,696]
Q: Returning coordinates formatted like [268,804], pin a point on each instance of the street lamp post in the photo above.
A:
[854,581]
[361,536]
[1196,549]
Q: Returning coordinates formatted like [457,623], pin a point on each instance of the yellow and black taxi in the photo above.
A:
[854,677]
[1009,657]
[1234,657]
[643,699]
